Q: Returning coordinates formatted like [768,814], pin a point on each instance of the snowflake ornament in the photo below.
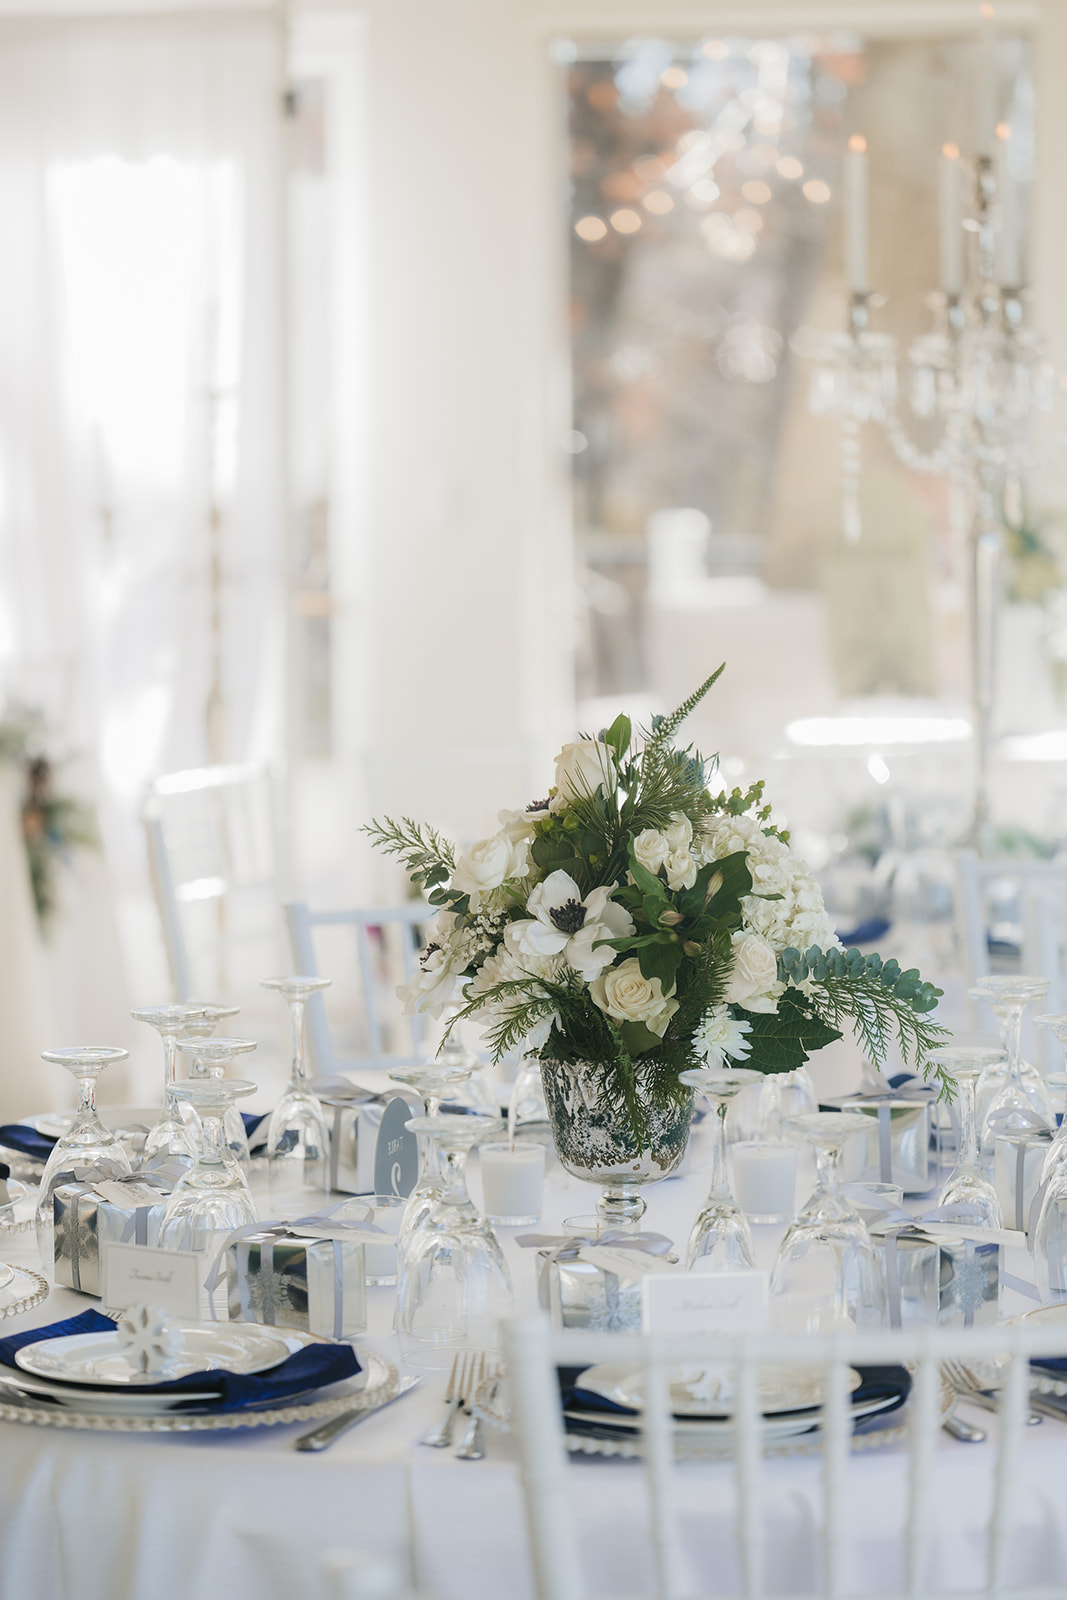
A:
[150,1339]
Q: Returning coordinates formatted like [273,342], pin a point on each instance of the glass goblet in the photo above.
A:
[453,1052]
[967,1184]
[720,1239]
[1009,1098]
[298,1134]
[169,1135]
[87,1150]
[827,1247]
[212,1199]
[432,1082]
[453,1284]
[784,1095]
[209,1058]
[1056,1084]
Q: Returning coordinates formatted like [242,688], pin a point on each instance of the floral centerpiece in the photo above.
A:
[633,924]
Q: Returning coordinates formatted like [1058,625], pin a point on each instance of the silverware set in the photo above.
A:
[470,1370]
[968,1386]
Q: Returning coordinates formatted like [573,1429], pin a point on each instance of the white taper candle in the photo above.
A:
[950,217]
[1009,259]
[856,214]
[986,104]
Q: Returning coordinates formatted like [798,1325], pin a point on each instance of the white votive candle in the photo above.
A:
[765,1179]
[381,1258]
[513,1182]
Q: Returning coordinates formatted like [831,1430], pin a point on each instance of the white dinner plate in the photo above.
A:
[97,1358]
[708,1392]
[56,1123]
[133,1401]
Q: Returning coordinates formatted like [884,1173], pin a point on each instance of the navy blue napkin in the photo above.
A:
[252,1121]
[27,1141]
[311,1368]
[891,1384]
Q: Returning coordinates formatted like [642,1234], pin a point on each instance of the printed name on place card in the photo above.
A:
[169,1279]
[705,1302]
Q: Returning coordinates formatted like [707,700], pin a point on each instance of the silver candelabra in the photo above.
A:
[978,376]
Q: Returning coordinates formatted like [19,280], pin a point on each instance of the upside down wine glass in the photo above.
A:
[1057,1083]
[212,1199]
[298,1135]
[87,1150]
[1012,1098]
[453,1284]
[202,1021]
[432,1082]
[967,1184]
[170,1135]
[827,1247]
[720,1239]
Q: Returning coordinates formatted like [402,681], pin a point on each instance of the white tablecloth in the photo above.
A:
[243,1516]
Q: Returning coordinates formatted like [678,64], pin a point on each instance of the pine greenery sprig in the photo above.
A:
[427,856]
[877,998]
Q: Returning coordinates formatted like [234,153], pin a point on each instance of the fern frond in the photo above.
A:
[427,856]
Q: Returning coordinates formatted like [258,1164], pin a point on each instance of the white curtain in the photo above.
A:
[141,566]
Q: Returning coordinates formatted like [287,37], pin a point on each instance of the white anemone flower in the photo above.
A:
[563,924]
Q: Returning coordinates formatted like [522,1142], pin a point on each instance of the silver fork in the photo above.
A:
[471,1447]
[968,1386]
[441,1436]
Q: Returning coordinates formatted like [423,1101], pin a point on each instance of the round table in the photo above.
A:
[243,1515]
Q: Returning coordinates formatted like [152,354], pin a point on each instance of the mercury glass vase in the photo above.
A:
[594,1142]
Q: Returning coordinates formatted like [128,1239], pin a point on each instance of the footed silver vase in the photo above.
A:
[594,1143]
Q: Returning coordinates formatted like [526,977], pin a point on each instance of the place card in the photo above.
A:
[135,1273]
[396,1157]
[705,1302]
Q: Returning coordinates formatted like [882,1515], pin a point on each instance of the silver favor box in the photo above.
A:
[289,1279]
[354,1116]
[85,1220]
[897,1149]
[949,1282]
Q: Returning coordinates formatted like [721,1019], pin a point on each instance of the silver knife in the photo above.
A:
[327,1432]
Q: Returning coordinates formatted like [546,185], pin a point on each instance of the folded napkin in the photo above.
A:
[891,1384]
[27,1141]
[311,1368]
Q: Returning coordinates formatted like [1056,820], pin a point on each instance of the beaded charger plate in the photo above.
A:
[695,1441]
[373,1386]
[22,1291]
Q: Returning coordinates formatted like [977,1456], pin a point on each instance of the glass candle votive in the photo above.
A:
[765,1178]
[381,1258]
[513,1182]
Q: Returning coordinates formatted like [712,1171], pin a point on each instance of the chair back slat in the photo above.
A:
[374,949]
[928,1568]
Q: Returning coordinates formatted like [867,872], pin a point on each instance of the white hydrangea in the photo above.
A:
[718,1035]
[799,918]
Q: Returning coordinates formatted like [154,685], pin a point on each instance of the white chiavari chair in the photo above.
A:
[388,939]
[919,1559]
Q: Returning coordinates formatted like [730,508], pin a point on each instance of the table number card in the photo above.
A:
[705,1302]
[396,1158]
[169,1279]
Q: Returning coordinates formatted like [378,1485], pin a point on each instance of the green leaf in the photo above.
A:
[649,883]
[551,854]
[619,735]
[638,1039]
[660,957]
[782,1040]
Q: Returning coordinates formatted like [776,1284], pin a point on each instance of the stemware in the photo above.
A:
[432,1082]
[827,1245]
[209,1058]
[527,1111]
[784,1095]
[453,1284]
[212,1198]
[967,1185]
[170,1135]
[1010,1098]
[87,1150]
[453,1053]
[298,1135]
[1056,1083]
[720,1239]
[204,1017]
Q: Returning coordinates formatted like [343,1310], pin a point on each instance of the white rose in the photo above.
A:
[488,863]
[680,832]
[582,769]
[681,870]
[651,849]
[628,996]
[754,971]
